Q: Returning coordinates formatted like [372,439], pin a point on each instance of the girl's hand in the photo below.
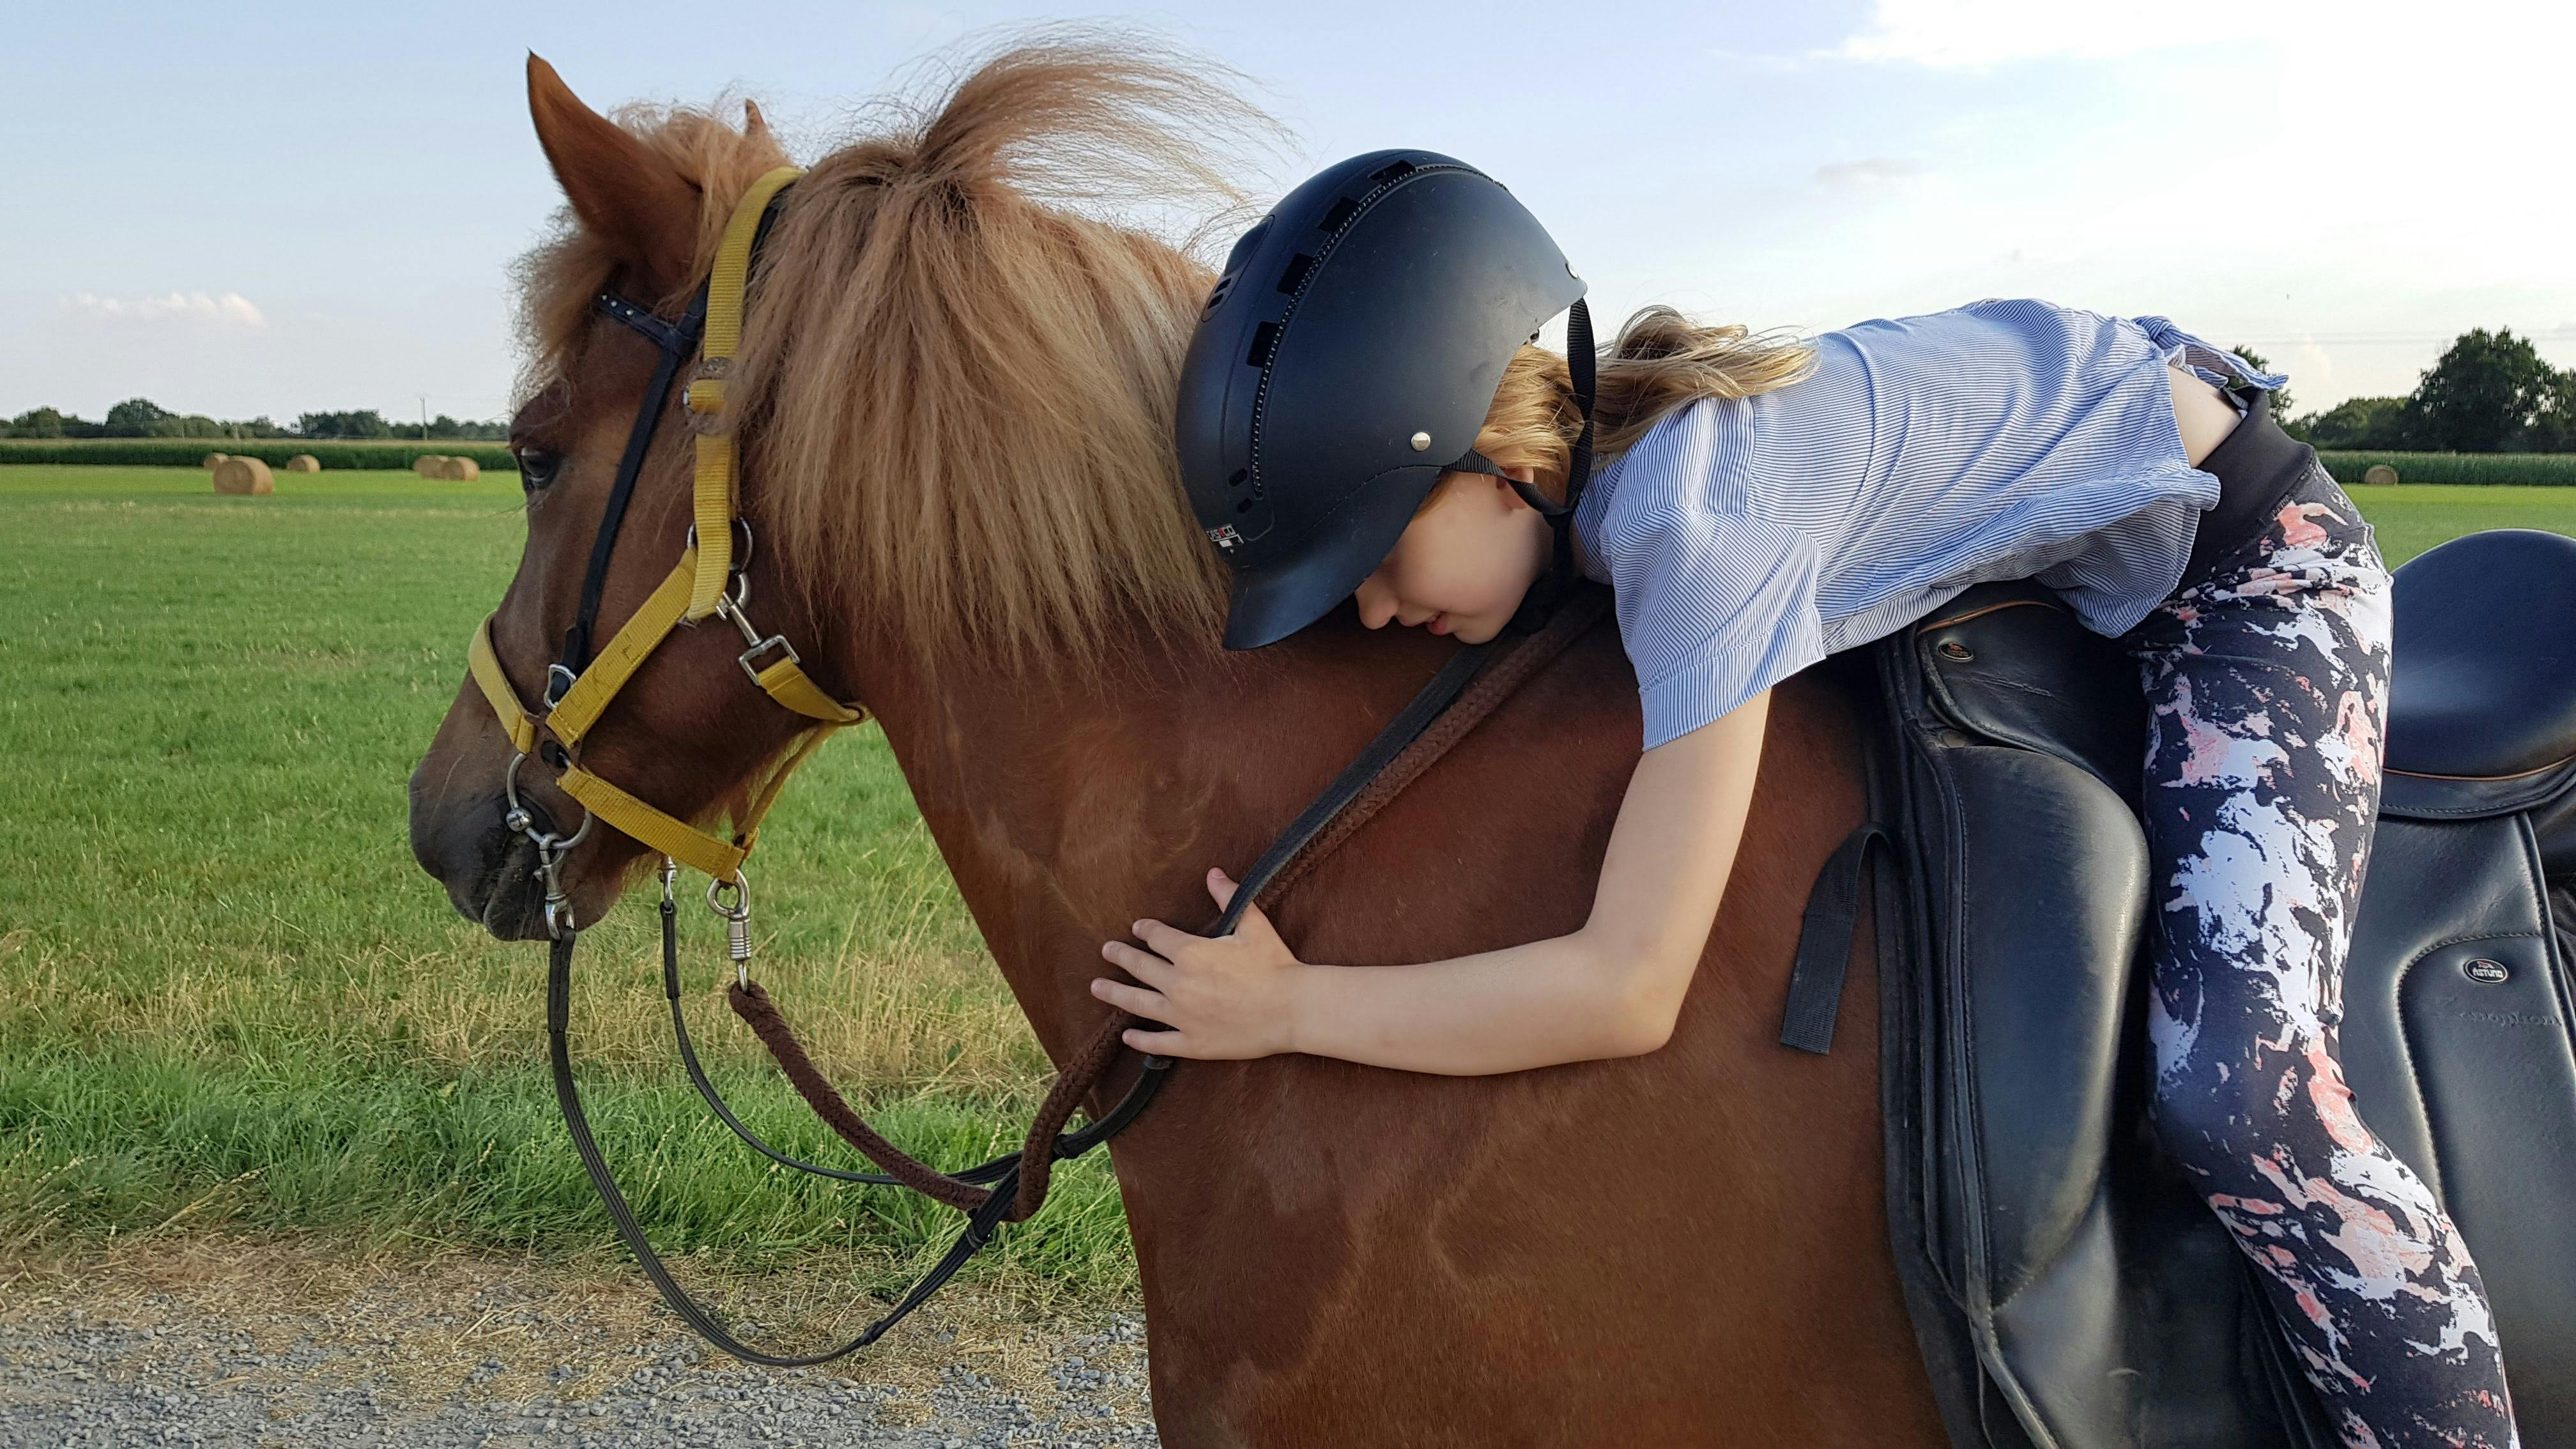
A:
[1223,998]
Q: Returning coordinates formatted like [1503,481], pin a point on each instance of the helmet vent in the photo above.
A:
[1343,210]
[1265,340]
[1391,171]
[1239,478]
[1217,293]
[1294,275]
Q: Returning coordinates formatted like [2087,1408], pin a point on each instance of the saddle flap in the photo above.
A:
[2101,1301]
[2011,663]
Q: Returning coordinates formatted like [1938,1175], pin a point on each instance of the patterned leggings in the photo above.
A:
[2268,680]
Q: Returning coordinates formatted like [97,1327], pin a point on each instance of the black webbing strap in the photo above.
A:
[676,341]
[1561,577]
[1825,941]
[1579,364]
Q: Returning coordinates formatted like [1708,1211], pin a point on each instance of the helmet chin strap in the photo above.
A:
[1550,588]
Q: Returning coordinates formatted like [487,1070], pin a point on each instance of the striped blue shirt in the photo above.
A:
[1747,538]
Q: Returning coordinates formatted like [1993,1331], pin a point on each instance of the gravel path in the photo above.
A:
[249,1344]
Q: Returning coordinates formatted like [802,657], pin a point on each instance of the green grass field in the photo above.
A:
[228,997]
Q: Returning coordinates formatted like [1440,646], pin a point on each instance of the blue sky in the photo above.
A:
[272,208]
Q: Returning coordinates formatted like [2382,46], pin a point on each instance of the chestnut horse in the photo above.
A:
[953,412]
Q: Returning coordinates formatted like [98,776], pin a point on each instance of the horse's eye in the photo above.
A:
[537,468]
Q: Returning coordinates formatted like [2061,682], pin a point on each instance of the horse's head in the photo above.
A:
[951,409]
[688,731]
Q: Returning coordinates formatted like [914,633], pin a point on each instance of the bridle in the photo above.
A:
[712,578]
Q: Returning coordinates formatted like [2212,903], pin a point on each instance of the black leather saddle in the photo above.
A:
[2068,1288]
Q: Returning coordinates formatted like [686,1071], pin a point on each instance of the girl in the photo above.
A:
[1768,503]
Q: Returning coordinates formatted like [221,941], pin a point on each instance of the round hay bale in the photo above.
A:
[243,476]
[430,465]
[304,463]
[462,470]
[212,459]
[2379,473]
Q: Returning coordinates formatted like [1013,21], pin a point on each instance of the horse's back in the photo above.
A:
[1689,1245]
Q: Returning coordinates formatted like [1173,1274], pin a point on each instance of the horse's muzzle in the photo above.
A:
[490,871]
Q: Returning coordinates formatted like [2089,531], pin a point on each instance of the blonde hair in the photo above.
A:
[1661,362]
[960,361]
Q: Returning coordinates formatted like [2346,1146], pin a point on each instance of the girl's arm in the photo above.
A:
[1611,989]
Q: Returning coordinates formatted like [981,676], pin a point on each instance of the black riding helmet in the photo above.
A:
[1346,360]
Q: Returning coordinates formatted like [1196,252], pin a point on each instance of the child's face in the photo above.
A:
[1463,564]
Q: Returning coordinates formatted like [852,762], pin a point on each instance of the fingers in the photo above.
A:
[1220,886]
[1134,1000]
[1167,941]
[1144,965]
[1161,1043]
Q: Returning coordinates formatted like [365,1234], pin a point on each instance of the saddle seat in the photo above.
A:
[2069,1289]
[2485,682]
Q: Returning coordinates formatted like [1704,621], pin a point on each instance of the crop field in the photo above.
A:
[334,454]
[2547,470]
[229,999]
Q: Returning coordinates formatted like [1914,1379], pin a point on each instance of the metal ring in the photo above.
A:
[525,823]
[741,897]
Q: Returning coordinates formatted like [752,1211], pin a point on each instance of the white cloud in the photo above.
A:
[230,307]
[1959,34]
[1869,171]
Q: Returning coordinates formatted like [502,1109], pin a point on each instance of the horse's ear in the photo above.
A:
[624,192]
[754,124]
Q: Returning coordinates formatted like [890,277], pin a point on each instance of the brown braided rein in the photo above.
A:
[1037,1156]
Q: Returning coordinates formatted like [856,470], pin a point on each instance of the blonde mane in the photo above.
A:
[962,349]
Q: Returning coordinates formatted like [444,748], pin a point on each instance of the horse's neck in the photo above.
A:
[1069,806]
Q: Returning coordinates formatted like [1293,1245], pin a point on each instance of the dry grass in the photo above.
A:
[912,1020]
[427,1323]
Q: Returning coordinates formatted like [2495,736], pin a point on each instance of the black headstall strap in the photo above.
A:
[677,341]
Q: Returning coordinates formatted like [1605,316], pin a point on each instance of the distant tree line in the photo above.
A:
[2490,392]
[138,417]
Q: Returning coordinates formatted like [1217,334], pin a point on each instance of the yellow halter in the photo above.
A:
[703,583]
